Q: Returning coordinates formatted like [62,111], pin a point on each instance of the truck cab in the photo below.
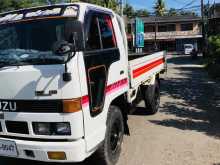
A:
[66,82]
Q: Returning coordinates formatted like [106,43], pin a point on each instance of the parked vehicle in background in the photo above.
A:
[188,48]
[194,54]
[67,82]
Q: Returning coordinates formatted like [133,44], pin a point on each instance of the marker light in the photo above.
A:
[56,155]
[71,106]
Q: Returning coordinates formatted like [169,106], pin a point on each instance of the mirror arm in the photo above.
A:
[66,75]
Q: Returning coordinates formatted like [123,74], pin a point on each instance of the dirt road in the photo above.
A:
[186,131]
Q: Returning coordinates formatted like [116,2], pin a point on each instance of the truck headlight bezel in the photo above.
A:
[62,128]
[52,128]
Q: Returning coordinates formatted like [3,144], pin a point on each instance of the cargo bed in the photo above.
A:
[143,66]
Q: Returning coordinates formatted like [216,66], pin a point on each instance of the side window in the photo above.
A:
[93,41]
[101,52]
[107,32]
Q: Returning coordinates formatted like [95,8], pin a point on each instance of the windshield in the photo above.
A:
[188,46]
[31,42]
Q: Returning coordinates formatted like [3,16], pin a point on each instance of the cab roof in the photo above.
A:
[48,11]
[61,5]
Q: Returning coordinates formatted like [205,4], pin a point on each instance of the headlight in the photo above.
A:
[62,129]
[52,128]
[42,128]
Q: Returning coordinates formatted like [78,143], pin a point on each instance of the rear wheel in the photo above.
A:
[152,97]
[110,150]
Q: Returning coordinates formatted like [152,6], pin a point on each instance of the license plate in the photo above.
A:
[8,148]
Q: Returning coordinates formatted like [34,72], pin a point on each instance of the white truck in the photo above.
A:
[67,83]
[188,48]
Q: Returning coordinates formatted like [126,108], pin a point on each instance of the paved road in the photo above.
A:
[186,131]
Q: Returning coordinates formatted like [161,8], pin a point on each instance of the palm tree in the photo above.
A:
[160,8]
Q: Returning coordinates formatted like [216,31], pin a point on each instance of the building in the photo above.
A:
[214,19]
[172,32]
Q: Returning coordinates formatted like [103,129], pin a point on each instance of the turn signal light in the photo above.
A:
[71,106]
[56,155]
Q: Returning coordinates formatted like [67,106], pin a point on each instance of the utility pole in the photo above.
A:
[155,34]
[202,15]
[202,9]
[203,28]
[121,7]
[49,2]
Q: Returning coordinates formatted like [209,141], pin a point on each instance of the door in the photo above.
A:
[101,53]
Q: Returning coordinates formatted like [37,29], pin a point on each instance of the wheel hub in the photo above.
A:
[115,136]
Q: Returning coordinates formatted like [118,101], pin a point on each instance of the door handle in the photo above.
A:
[122,72]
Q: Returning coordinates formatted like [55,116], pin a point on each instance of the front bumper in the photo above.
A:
[75,151]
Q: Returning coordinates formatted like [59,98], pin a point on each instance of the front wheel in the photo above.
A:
[152,97]
[110,150]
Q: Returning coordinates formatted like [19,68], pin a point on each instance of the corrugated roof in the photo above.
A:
[168,19]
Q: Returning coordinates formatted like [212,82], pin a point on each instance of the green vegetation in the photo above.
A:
[112,4]
[6,5]
[214,44]
[130,12]
[213,60]
[160,8]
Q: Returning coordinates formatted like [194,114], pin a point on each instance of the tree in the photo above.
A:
[172,12]
[129,11]
[14,4]
[6,5]
[112,4]
[160,8]
[142,13]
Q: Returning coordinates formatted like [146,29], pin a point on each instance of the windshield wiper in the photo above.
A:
[7,64]
[42,61]
[3,64]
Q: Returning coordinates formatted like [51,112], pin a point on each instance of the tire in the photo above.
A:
[110,149]
[152,98]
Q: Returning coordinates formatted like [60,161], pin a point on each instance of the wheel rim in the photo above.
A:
[115,138]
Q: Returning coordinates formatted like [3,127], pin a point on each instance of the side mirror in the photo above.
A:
[74,34]
[62,48]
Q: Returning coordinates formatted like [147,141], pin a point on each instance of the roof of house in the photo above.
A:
[215,5]
[214,11]
[168,19]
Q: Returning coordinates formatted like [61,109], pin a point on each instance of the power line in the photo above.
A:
[179,1]
[188,4]
[191,7]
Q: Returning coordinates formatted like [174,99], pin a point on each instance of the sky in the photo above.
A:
[178,4]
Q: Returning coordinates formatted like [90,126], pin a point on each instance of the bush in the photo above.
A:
[213,61]
[214,48]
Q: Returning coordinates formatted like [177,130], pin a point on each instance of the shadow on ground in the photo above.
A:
[194,99]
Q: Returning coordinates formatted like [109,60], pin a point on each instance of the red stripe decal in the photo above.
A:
[138,72]
[109,89]
[85,101]
[115,86]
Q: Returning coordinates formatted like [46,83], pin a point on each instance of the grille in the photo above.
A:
[17,127]
[0,127]
[41,106]
[38,106]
